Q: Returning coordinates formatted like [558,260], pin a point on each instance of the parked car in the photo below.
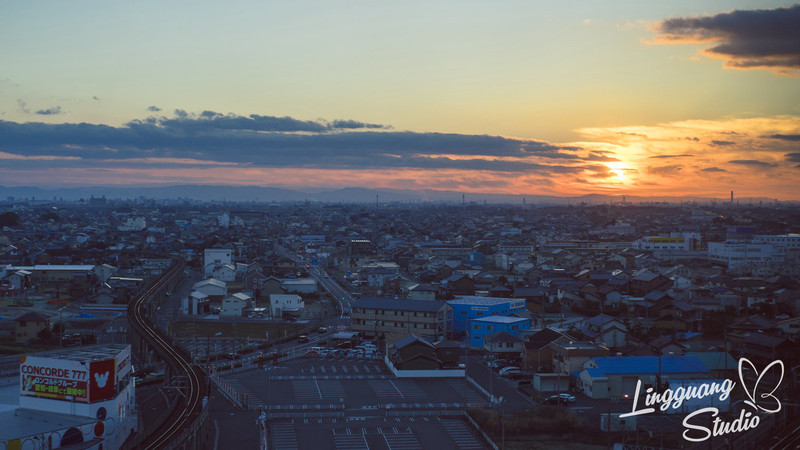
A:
[567,397]
[559,399]
[506,369]
[513,374]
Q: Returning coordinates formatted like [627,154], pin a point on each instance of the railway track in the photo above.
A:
[190,403]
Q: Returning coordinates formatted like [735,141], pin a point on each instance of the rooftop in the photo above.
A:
[399,305]
[482,301]
[501,319]
[650,364]
[93,353]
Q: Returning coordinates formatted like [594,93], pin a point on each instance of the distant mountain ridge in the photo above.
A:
[267,194]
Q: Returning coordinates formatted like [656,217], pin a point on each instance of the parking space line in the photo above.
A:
[397,389]
[318,391]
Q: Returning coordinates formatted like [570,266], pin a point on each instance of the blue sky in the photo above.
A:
[523,97]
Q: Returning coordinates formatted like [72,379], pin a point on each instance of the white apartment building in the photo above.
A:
[213,257]
[684,242]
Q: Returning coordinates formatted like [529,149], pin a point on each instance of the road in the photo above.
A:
[188,407]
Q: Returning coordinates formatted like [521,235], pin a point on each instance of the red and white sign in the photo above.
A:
[54,378]
[102,380]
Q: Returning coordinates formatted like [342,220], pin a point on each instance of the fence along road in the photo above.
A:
[190,405]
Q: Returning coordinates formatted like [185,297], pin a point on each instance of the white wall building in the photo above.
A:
[133,224]
[739,254]
[289,304]
[224,221]
[235,305]
[226,273]
[685,242]
[80,397]
[213,257]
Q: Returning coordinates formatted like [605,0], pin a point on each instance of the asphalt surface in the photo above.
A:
[389,433]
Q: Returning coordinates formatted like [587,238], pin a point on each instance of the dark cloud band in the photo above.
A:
[767,38]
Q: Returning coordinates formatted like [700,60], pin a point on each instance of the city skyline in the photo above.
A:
[689,98]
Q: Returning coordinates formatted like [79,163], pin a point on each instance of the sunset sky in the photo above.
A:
[528,97]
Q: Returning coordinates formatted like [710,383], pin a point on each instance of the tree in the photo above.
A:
[9,219]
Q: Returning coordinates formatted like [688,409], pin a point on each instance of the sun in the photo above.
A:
[619,169]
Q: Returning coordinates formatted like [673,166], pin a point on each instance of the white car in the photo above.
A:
[505,370]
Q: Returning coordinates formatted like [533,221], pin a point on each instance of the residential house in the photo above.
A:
[413,353]
[224,272]
[213,257]
[422,292]
[790,328]
[299,285]
[504,345]
[606,330]
[483,327]
[645,281]
[569,356]
[538,354]
[214,289]
[29,325]
[196,303]
[234,305]
[286,305]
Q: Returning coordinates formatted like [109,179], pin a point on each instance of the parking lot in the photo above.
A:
[389,433]
[324,384]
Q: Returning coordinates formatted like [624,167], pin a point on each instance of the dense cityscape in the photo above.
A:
[397,325]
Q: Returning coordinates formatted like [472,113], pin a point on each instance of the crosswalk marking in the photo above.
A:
[460,433]
[283,436]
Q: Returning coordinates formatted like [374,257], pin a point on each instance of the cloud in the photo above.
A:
[745,39]
[671,156]
[352,124]
[23,106]
[751,162]
[267,141]
[664,170]
[793,157]
[713,169]
[206,120]
[55,110]
[786,137]
[96,98]
[153,108]
[717,143]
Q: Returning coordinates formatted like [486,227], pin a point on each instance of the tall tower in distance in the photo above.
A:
[731,197]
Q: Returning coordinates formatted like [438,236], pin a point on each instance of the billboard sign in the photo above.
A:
[101,380]
[54,378]
[123,365]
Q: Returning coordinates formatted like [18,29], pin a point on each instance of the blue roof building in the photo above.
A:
[618,376]
[480,328]
[467,308]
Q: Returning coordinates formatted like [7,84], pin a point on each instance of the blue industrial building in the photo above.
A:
[467,308]
[480,328]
